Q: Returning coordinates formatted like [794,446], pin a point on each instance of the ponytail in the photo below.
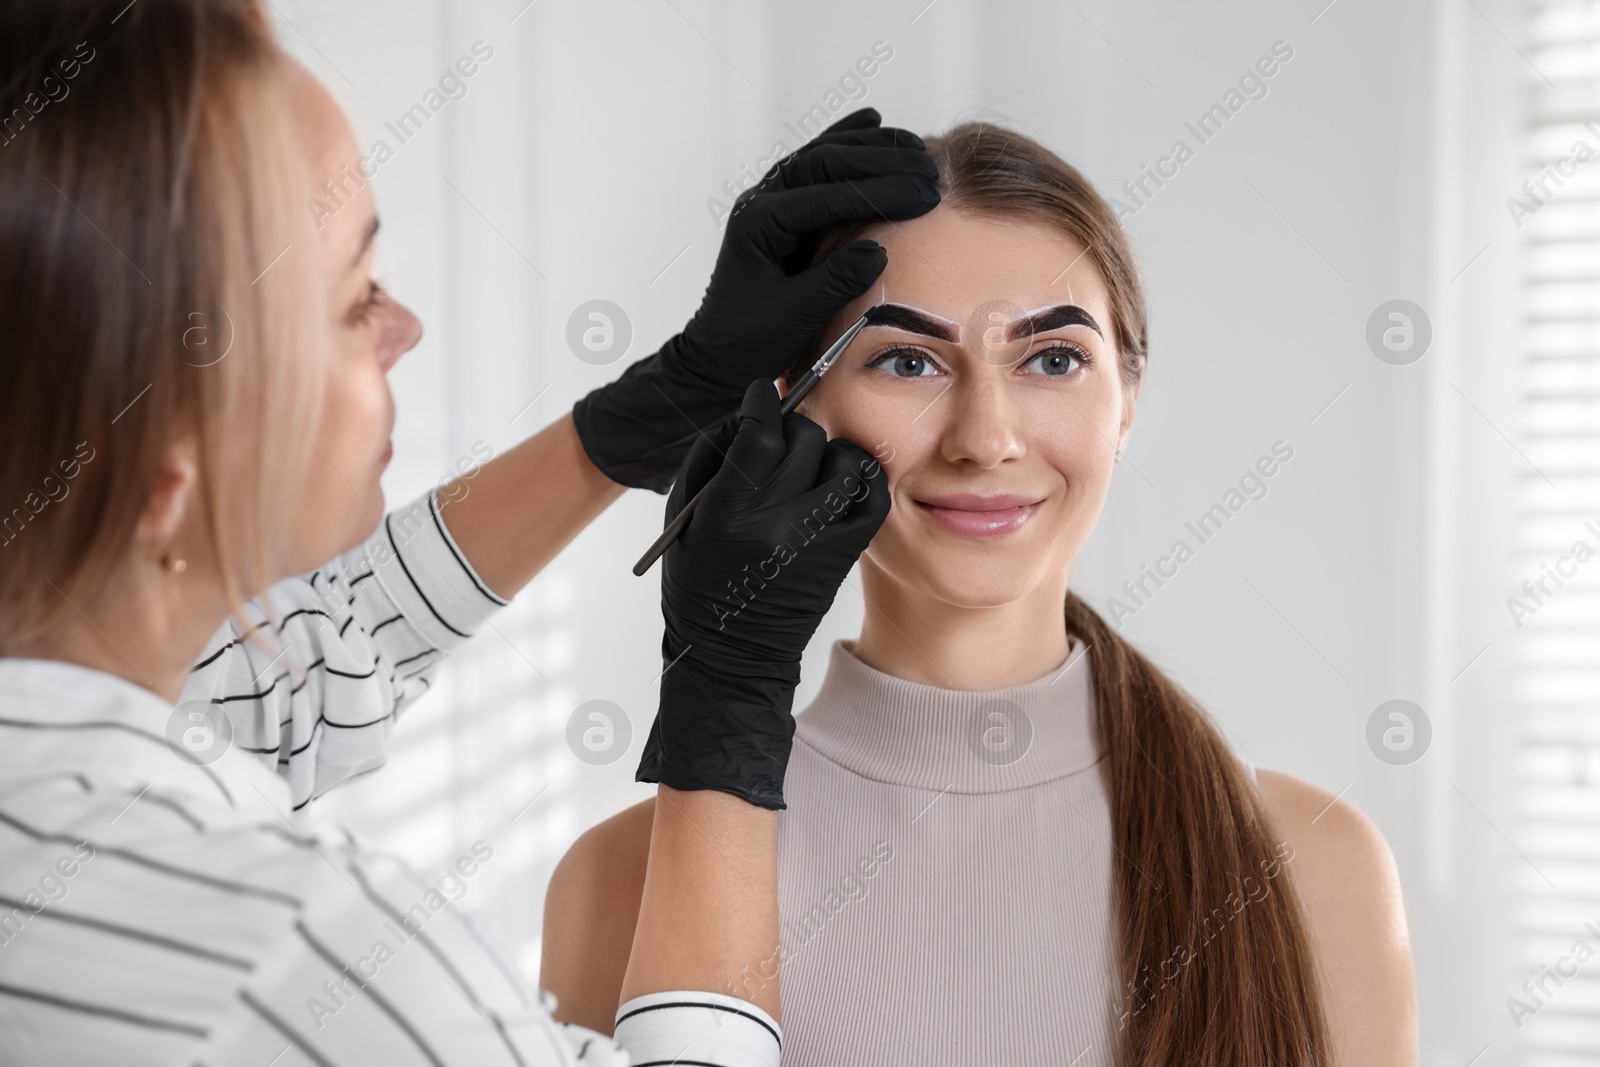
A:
[1215,960]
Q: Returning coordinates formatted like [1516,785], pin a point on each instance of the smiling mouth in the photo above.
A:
[980,516]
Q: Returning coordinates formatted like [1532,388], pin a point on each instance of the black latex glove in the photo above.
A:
[765,304]
[744,587]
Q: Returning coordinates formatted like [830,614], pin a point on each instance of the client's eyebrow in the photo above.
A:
[1051,319]
[911,320]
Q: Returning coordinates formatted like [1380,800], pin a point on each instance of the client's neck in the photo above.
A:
[911,635]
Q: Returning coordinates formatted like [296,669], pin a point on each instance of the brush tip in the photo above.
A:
[876,314]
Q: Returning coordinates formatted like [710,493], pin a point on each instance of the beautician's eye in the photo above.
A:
[905,363]
[1058,360]
[367,306]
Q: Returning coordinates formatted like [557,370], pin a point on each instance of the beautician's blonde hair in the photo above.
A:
[150,174]
[1213,949]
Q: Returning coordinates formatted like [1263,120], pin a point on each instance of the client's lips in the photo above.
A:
[980,516]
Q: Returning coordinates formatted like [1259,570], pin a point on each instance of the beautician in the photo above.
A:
[158,493]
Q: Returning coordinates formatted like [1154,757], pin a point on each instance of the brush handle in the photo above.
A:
[658,547]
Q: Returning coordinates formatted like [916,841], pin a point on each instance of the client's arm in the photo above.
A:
[590,911]
[1346,879]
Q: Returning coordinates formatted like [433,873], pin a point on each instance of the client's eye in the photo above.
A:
[1057,360]
[905,363]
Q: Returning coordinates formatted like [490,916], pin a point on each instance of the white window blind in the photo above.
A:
[1557,500]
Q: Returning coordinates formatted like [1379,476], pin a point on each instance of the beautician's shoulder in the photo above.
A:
[590,911]
[1348,883]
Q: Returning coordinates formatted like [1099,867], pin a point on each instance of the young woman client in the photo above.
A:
[1010,837]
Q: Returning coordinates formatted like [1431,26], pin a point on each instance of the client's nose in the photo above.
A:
[982,425]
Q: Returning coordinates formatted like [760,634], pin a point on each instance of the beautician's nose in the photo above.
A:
[982,425]
[402,330]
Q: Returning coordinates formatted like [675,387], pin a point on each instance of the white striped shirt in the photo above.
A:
[153,909]
[314,673]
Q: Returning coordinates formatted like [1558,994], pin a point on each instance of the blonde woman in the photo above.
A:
[168,692]
[1011,838]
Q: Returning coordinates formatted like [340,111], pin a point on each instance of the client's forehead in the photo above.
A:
[954,264]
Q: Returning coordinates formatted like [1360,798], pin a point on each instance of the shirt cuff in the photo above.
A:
[427,577]
[697,1027]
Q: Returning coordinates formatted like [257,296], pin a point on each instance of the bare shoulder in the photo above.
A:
[1345,875]
[590,911]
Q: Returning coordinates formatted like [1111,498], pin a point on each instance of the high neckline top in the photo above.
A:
[904,733]
[945,873]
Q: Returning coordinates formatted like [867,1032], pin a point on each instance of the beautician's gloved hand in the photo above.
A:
[744,587]
[765,304]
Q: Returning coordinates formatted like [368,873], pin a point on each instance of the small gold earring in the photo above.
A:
[173,563]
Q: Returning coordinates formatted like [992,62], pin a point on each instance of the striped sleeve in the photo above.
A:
[129,938]
[699,1028]
[314,673]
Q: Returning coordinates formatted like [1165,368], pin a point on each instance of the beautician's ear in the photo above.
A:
[173,493]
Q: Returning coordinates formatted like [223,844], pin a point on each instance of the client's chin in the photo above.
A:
[975,573]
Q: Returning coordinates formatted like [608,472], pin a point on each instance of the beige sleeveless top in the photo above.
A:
[945,874]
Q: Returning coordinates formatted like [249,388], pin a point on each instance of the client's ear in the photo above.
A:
[1130,402]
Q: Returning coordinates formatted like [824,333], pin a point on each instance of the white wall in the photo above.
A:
[581,162]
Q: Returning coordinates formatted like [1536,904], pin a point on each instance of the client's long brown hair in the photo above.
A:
[1215,966]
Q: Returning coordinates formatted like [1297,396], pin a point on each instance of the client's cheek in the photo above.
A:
[1072,437]
[853,422]
[897,427]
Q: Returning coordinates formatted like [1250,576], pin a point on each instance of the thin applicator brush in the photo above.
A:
[791,400]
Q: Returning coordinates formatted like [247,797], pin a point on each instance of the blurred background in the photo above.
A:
[1384,256]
